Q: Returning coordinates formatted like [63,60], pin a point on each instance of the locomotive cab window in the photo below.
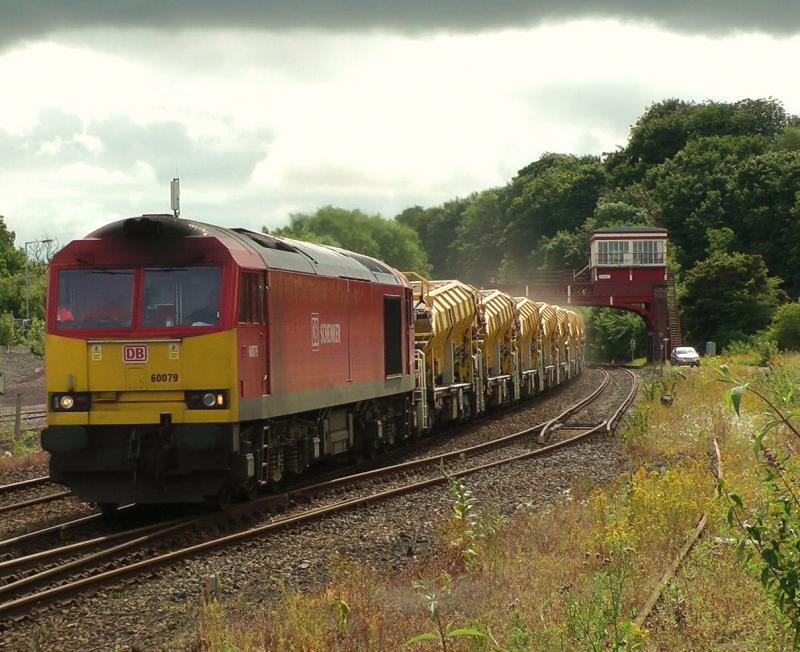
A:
[392,336]
[95,298]
[251,298]
[181,296]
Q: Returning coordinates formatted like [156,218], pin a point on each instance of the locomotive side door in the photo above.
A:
[253,361]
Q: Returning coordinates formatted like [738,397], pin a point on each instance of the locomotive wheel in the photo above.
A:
[221,500]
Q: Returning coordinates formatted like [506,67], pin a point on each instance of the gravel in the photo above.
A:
[159,610]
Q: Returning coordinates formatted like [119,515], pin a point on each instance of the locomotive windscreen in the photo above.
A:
[96,298]
[187,296]
[170,297]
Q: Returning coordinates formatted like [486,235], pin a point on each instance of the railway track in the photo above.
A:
[32,414]
[25,487]
[98,566]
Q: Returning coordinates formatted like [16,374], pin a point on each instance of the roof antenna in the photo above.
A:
[175,196]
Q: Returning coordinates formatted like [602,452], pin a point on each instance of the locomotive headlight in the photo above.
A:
[72,402]
[207,399]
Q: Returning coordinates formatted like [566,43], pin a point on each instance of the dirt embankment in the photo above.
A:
[24,374]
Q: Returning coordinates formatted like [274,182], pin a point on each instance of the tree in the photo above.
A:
[556,193]
[764,210]
[437,228]
[786,326]
[695,190]
[720,241]
[371,235]
[12,273]
[610,331]
[12,259]
[728,297]
[479,244]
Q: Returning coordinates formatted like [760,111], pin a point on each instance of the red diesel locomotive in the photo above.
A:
[188,362]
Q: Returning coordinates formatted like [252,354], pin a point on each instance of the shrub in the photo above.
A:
[35,337]
[8,329]
[738,347]
[786,326]
[765,348]
[768,534]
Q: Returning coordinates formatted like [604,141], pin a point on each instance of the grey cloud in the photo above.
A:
[20,19]
[601,105]
[165,146]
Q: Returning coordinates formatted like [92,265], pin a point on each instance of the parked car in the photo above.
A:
[682,355]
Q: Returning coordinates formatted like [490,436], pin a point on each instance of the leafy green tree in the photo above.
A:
[695,190]
[556,193]
[618,213]
[12,273]
[728,297]
[480,242]
[610,331]
[387,240]
[668,126]
[789,140]
[565,250]
[8,329]
[35,336]
[764,211]
[786,326]
[720,241]
[660,133]
[12,260]
[437,228]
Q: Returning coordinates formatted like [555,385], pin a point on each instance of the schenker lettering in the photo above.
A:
[322,333]
[330,333]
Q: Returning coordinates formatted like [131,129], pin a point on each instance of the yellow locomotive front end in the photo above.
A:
[142,371]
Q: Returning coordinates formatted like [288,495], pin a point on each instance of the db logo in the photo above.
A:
[315,331]
[134,353]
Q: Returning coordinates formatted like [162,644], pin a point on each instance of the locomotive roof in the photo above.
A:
[276,252]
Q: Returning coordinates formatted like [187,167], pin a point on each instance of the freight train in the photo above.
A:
[188,362]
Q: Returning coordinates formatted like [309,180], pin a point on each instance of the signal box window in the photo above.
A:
[612,252]
[181,296]
[96,298]
[392,336]
[251,298]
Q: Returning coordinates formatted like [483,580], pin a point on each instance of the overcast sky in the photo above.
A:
[268,108]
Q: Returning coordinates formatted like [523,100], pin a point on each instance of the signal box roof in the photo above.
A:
[631,229]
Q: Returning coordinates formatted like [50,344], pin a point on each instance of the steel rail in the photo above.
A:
[21,538]
[500,441]
[30,415]
[35,501]
[20,563]
[24,484]
[310,489]
[76,585]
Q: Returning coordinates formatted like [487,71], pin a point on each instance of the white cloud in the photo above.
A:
[260,124]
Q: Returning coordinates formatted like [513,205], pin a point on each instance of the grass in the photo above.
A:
[23,452]
[571,578]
